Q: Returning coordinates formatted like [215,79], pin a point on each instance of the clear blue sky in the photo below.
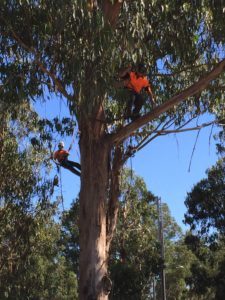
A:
[163,163]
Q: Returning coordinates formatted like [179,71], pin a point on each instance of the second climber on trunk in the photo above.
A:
[135,81]
[61,156]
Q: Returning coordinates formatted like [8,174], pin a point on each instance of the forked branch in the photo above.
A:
[195,88]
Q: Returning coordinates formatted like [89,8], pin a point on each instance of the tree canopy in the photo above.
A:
[205,216]
[75,50]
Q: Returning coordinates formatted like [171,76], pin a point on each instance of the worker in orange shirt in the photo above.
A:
[135,82]
[61,156]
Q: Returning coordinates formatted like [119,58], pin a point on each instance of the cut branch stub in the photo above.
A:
[111,11]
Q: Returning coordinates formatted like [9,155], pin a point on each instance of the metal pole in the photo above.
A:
[161,240]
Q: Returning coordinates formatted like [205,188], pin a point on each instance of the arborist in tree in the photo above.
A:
[61,156]
[135,81]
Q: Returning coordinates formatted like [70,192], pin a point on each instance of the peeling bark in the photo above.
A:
[113,205]
[111,11]
[93,278]
[93,259]
[97,220]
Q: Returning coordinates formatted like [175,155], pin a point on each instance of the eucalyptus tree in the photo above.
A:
[31,264]
[74,49]
[205,216]
[205,204]
[135,256]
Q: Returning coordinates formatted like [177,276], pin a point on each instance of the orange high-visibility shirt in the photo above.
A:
[137,83]
[60,155]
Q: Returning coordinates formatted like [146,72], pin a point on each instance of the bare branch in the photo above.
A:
[188,92]
[138,147]
[193,150]
[56,81]
[162,131]
[190,129]
[210,135]
[165,132]
[147,142]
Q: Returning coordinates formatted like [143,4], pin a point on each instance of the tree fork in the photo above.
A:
[192,90]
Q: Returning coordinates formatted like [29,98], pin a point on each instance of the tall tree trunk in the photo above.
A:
[94,282]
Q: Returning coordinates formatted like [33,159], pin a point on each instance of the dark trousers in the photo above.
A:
[72,166]
[135,100]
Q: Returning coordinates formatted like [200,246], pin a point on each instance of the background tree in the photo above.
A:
[135,254]
[31,264]
[205,204]
[178,264]
[205,216]
[135,257]
[74,49]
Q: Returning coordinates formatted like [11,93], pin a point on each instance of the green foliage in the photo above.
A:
[31,264]
[65,49]
[18,164]
[178,263]
[135,255]
[135,259]
[77,46]
[205,216]
[205,203]
[70,236]
[207,273]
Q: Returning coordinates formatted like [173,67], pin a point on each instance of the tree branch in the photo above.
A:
[143,143]
[56,81]
[42,67]
[193,150]
[166,125]
[180,71]
[188,92]
[162,132]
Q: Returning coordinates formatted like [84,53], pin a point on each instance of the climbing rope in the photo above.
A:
[62,199]
[58,181]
